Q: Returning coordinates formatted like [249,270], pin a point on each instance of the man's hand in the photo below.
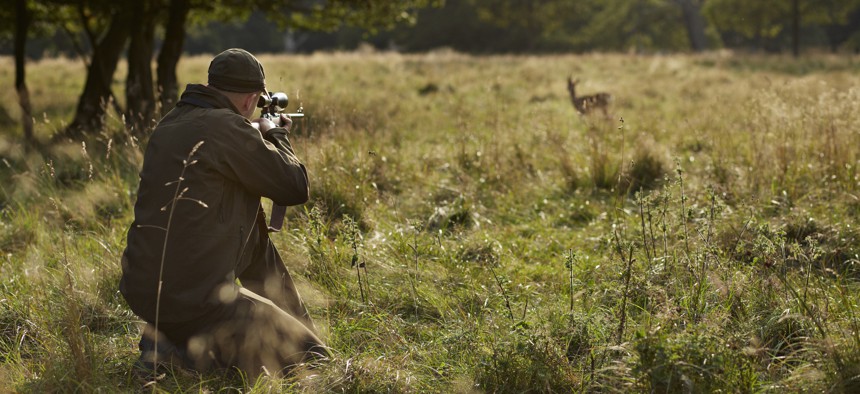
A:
[264,124]
[286,122]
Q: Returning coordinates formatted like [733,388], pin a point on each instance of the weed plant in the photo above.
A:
[469,232]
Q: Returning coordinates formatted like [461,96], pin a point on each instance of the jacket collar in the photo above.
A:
[205,97]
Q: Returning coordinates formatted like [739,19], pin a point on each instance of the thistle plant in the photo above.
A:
[568,263]
[315,222]
[642,201]
[499,282]
[414,281]
[354,238]
[621,174]
[625,253]
[683,217]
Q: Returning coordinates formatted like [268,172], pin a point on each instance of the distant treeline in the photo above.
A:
[508,26]
[102,32]
[513,26]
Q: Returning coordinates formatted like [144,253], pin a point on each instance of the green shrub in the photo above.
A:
[691,363]
[526,362]
[646,173]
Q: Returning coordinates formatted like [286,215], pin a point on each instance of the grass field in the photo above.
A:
[704,238]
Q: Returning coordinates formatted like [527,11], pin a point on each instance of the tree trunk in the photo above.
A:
[90,113]
[22,22]
[691,10]
[139,93]
[171,50]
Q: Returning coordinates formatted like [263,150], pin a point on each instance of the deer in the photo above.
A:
[585,104]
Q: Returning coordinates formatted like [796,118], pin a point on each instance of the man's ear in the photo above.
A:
[251,101]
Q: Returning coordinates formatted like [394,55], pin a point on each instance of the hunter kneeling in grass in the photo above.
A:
[199,226]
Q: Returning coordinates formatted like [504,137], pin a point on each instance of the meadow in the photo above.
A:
[468,231]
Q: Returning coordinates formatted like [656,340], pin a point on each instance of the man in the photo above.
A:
[199,227]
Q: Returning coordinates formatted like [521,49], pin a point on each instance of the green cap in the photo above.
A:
[236,70]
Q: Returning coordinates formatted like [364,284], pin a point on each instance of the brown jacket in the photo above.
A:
[205,244]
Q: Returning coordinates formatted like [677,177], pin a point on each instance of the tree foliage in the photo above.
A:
[480,26]
[112,27]
[538,24]
[39,27]
[638,25]
[761,23]
[331,14]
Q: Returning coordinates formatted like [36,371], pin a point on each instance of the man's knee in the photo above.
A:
[258,335]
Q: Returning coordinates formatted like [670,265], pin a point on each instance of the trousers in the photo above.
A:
[264,329]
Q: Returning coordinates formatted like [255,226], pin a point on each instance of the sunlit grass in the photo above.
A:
[462,184]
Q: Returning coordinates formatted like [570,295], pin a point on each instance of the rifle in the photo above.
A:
[273,104]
